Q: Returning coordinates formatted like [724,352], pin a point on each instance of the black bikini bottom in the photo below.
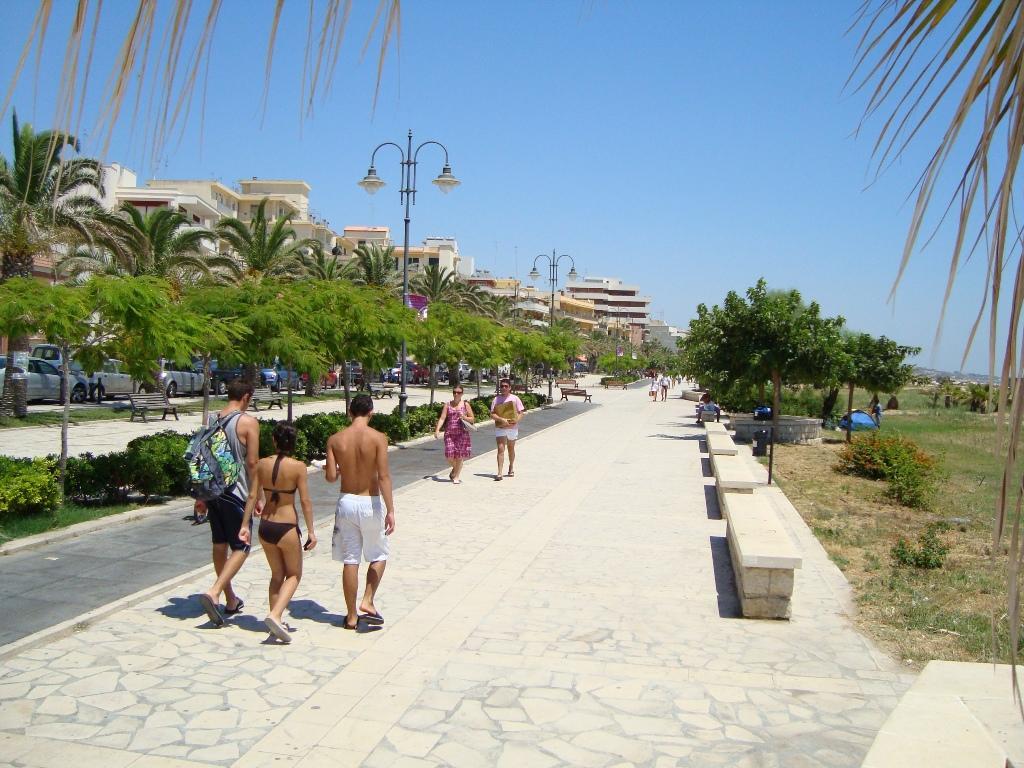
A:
[272,532]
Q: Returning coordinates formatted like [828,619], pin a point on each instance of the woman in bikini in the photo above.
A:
[279,478]
[457,444]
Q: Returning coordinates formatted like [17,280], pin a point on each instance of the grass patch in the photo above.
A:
[916,613]
[69,514]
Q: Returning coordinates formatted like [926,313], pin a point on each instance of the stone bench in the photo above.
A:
[719,442]
[956,715]
[762,554]
[737,473]
[715,426]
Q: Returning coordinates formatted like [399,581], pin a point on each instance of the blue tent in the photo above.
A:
[861,420]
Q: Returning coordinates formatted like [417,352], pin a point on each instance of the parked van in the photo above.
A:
[111,380]
[177,379]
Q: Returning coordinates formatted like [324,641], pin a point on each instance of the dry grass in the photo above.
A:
[915,614]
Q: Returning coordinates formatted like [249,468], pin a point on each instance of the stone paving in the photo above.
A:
[582,613]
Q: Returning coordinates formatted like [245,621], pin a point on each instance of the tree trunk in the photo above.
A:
[760,393]
[345,383]
[14,398]
[849,415]
[433,382]
[830,404]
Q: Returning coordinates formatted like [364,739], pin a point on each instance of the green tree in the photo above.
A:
[377,266]
[264,249]
[161,243]
[441,338]
[46,203]
[766,336]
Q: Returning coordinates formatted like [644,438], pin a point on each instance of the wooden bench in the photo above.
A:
[144,401]
[265,396]
[762,554]
[521,388]
[566,391]
[618,383]
[571,383]
[382,390]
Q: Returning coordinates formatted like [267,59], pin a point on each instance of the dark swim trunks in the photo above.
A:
[225,514]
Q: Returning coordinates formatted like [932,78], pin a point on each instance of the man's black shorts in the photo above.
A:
[225,514]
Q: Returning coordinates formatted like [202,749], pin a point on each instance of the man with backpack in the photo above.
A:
[221,459]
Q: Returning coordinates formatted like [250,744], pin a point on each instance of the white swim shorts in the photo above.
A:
[510,433]
[359,528]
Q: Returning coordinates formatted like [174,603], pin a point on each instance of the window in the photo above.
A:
[434,261]
[110,366]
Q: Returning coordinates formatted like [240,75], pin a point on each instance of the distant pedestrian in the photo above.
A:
[506,411]
[655,386]
[359,455]
[877,413]
[226,512]
[664,383]
[282,477]
[458,445]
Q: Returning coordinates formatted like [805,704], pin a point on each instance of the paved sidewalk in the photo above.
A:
[581,613]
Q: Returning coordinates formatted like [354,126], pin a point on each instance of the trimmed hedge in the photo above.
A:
[152,465]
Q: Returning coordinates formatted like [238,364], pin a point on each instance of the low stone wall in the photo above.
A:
[791,429]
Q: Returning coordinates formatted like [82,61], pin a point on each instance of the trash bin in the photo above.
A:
[760,442]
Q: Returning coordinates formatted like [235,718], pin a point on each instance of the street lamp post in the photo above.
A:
[553,261]
[445,181]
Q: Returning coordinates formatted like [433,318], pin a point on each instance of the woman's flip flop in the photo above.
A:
[277,630]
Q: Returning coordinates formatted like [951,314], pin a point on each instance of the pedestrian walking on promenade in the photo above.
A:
[226,512]
[457,443]
[664,383]
[506,411]
[359,455]
[282,477]
[655,386]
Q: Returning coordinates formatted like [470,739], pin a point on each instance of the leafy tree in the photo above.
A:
[876,364]
[130,318]
[46,203]
[376,266]
[768,336]
[264,249]
[161,243]
[441,338]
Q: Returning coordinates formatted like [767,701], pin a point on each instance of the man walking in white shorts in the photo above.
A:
[359,455]
[506,411]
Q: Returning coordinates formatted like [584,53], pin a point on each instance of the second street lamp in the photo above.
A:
[371,182]
[553,261]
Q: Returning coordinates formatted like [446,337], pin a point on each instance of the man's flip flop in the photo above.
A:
[277,630]
[511,473]
[211,610]
[497,477]
[237,609]
[345,624]
[373,618]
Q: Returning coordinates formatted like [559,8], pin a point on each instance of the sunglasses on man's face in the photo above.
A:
[458,391]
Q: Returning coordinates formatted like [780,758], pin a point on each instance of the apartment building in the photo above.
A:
[534,304]
[664,334]
[442,252]
[616,304]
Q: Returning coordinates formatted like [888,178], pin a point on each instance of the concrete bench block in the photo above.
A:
[720,443]
[715,426]
[736,472]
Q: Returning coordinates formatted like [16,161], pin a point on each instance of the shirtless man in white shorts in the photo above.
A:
[359,455]
[506,411]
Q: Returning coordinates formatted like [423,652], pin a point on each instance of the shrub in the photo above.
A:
[27,487]
[423,418]
[392,425]
[930,551]
[155,466]
[81,481]
[317,428]
[910,472]
[302,445]
[481,407]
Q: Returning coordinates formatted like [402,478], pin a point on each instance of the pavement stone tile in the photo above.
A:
[510,639]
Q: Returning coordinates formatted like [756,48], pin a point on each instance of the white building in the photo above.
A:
[616,305]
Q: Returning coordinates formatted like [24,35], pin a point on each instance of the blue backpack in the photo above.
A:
[213,467]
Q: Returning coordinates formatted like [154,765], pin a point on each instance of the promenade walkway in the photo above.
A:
[581,613]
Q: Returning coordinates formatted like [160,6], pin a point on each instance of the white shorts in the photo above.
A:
[359,529]
[510,433]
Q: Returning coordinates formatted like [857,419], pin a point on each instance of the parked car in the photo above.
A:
[110,381]
[45,381]
[220,376]
[176,379]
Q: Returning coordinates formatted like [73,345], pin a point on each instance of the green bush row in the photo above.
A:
[911,474]
[152,465]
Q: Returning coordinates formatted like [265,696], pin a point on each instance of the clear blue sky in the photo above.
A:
[686,147]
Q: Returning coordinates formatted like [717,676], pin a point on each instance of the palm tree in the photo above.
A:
[437,284]
[377,266]
[321,265]
[159,243]
[262,248]
[497,308]
[45,204]
[918,53]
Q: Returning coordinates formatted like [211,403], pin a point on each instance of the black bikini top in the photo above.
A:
[274,492]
